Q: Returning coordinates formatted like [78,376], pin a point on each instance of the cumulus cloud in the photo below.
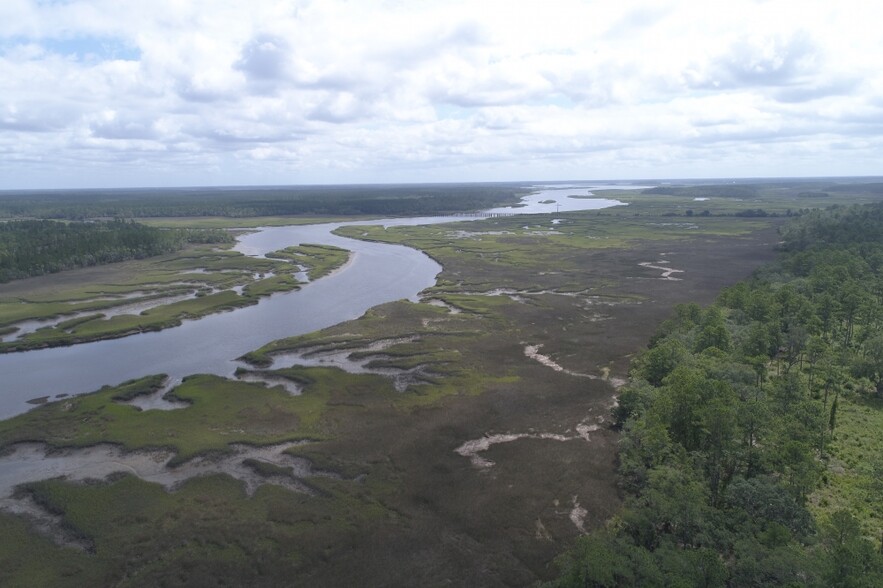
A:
[111,126]
[211,91]
[264,57]
[767,61]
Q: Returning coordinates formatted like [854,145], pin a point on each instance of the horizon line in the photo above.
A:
[733,179]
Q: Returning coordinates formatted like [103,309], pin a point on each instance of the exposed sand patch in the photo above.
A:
[583,297]
[578,515]
[475,234]
[584,429]
[615,381]
[666,271]
[533,352]
[471,449]
[474,447]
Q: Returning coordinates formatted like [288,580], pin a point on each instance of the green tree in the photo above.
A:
[873,348]
[713,332]
[679,404]
[852,562]
[658,362]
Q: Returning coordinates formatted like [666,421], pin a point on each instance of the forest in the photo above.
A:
[816,188]
[750,452]
[35,247]
[385,200]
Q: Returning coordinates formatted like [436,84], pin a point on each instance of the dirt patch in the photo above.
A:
[578,515]
[533,352]
[666,271]
[472,449]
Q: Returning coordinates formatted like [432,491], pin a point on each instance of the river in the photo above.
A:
[377,273]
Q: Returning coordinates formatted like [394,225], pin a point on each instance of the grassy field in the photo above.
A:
[219,412]
[854,476]
[267,541]
[319,260]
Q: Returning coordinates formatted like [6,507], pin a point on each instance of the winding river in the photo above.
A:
[377,273]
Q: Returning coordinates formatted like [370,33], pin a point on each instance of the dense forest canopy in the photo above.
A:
[257,201]
[35,247]
[747,191]
[730,422]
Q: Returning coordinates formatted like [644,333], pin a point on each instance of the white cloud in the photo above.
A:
[124,92]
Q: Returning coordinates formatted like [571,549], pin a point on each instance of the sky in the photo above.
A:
[119,93]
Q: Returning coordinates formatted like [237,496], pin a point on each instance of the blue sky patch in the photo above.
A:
[450,111]
[81,48]
[93,48]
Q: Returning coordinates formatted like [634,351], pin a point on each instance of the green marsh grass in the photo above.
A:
[220,412]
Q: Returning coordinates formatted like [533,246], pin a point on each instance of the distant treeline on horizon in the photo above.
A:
[258,201]
[747,191]
[368,200]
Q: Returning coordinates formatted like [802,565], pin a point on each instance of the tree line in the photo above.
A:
[749,191]
[35,247]
[727,419]
[407,200]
